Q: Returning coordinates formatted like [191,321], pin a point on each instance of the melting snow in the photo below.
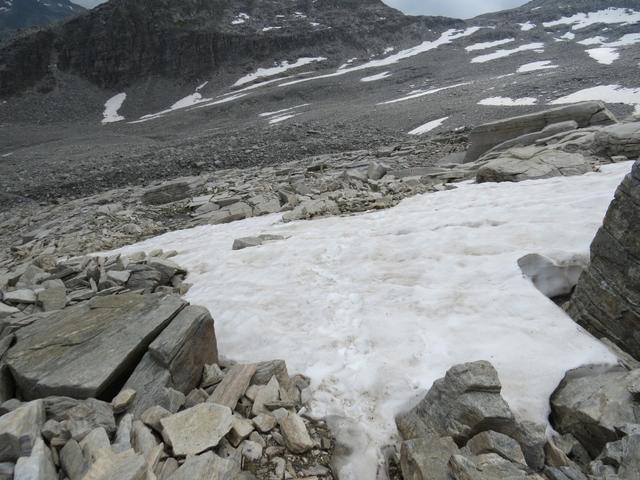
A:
[607,52]
[605,93]
[378,76]
[240,18]
[505,53]
[282,118]
[604,55]
[609,16]
[422,93]
[485,45]
[194,100]
[568,36]
[525,27]
[375,307]
[427,127]
[279,112]
[268,29]
[593,41]
[111,108]
[534,66]
[508,102]
[277,69]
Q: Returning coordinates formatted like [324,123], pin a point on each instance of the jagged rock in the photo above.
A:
[265,204]
[312,208]
[211,375]
[494,442]
[80,416]
[22,296]
[20,429]
[241,428]
[123,400]
[624,455]
[231,213]
[463,403]
[122,442]
[487,136]
[607,296]
[488,467]
[37,466]
[268,393]
[247,242]
[52,298]
[427,458]
[195,430]
[232,387]
[143,440]
[96,440]
[619,140]
[85,362]
[295,434]
[153,415]
[167,193]
[564,473]
[207,465]
[532,163]
[123,466]
[591,402]
[252,451]
[195,397]
[72,460]
[7,311]
[265,423]
[143,277]
[550,277]
[376,171]
[531,138]
[167,268]
[266,370]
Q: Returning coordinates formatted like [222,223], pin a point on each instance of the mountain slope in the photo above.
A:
[20,14]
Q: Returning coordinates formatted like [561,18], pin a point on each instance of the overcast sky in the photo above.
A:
[448,8]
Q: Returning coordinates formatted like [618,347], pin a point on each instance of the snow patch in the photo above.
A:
[282,118]
[525,27]
[277,69]
[508,102]
[284,110]
[505,53]
[612,15]
[534,66]
[485,45]
[605,93]
[427,127]
[375,307]
[378,76]
[422,93]
[111,107]
[568,36]
[604,55]
[240,19]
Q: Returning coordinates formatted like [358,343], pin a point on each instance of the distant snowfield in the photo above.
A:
[376,77]
[507,52]
[277,69]
[375,307]
[612,15]
[111,108]
[607,52]
[421,93]
[508,102]
[486,45]
[427,127]
[535,66]
[606,93]
[604,55]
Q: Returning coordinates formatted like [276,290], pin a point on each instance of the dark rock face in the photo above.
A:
[607,298]
[126,40]
[18,14]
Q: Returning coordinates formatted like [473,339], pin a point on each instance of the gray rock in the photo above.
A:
[591,401]
[167,193]
[532,163]
[195,430]
[7,385]
[80,416]
[143,440]
[167,268]
[265,204]
[268,393]
[52,298]
[122,442]
[233,386]
[252,451]
[247,242]
[488,467]
[487,136]
[564,473]
[265,423]
[266,370]
[231,213]
[208,465]
[195,397]
[152,416]
[143,277]
[619,140]
[312,208]
[211,375]
[537,137]
[376,171]
[96,440]
[625,456]
[123,400]
[20,429]
[119,277]
[463,403]
[427,458]
[7,310]
[550,277]
[241,428]
[73,461]
[22,296]
[37,466]
[295,434]
[494,442]
[607,298]
[85,362]
[122,466]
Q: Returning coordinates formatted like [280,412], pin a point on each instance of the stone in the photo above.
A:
[247,242]
[23,296]
[81,416]
[167,268]
[211,375]
[150,380]
[53,428]
[197,429]
[591,402]
[123,400]
[265,204]
[126,465]
[185,346]
[241,428]
[268,369]
[167,193]
[625,456]
[7,385]
[537,137]
[208,465]
[487,136]
[143,277]
[564,473]
[37,466]
[52,298]
[376,171]
[152,416]
[165,469]
[312,208]
[85,362]
[494,442]
[295,434]
[7,310]
[230,213]
[607,297]
[72,460]
[619,140]
[427,458]
[488,467]
[120,277]
[268,393]
[195,397]
[143,440]
[20,429]
[252,451]
[553,278]
[531,163]
[265,423]
[96,440]
[232,387]
[466,401]
[122,442]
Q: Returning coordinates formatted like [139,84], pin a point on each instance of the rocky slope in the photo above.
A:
[21,14]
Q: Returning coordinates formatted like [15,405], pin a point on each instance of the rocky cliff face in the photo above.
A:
[128,40]
[18,14]
[607,298]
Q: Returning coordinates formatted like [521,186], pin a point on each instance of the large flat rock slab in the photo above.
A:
[82,351]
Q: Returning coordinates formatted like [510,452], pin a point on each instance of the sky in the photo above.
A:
[448,8]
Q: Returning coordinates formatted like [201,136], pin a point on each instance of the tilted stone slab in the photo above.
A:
[82,351]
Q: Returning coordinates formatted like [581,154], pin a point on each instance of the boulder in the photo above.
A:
[73,461]
[83,350]
[80,416]
[126,465]
[197,429]
[37,466]
[123,400]
[623,455]
[619,140]
[208,465]
[19,430]
[494,442]
[427,458]
[487,136]
[53,298]
[591,402]
[553,278]
[465,402]
[531,163]
[606,300]
[230,213]
[488,467]
[167,193]
[542,135]
[312,208]
[233,385]
[295,434]
[247,242]
[211,375]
